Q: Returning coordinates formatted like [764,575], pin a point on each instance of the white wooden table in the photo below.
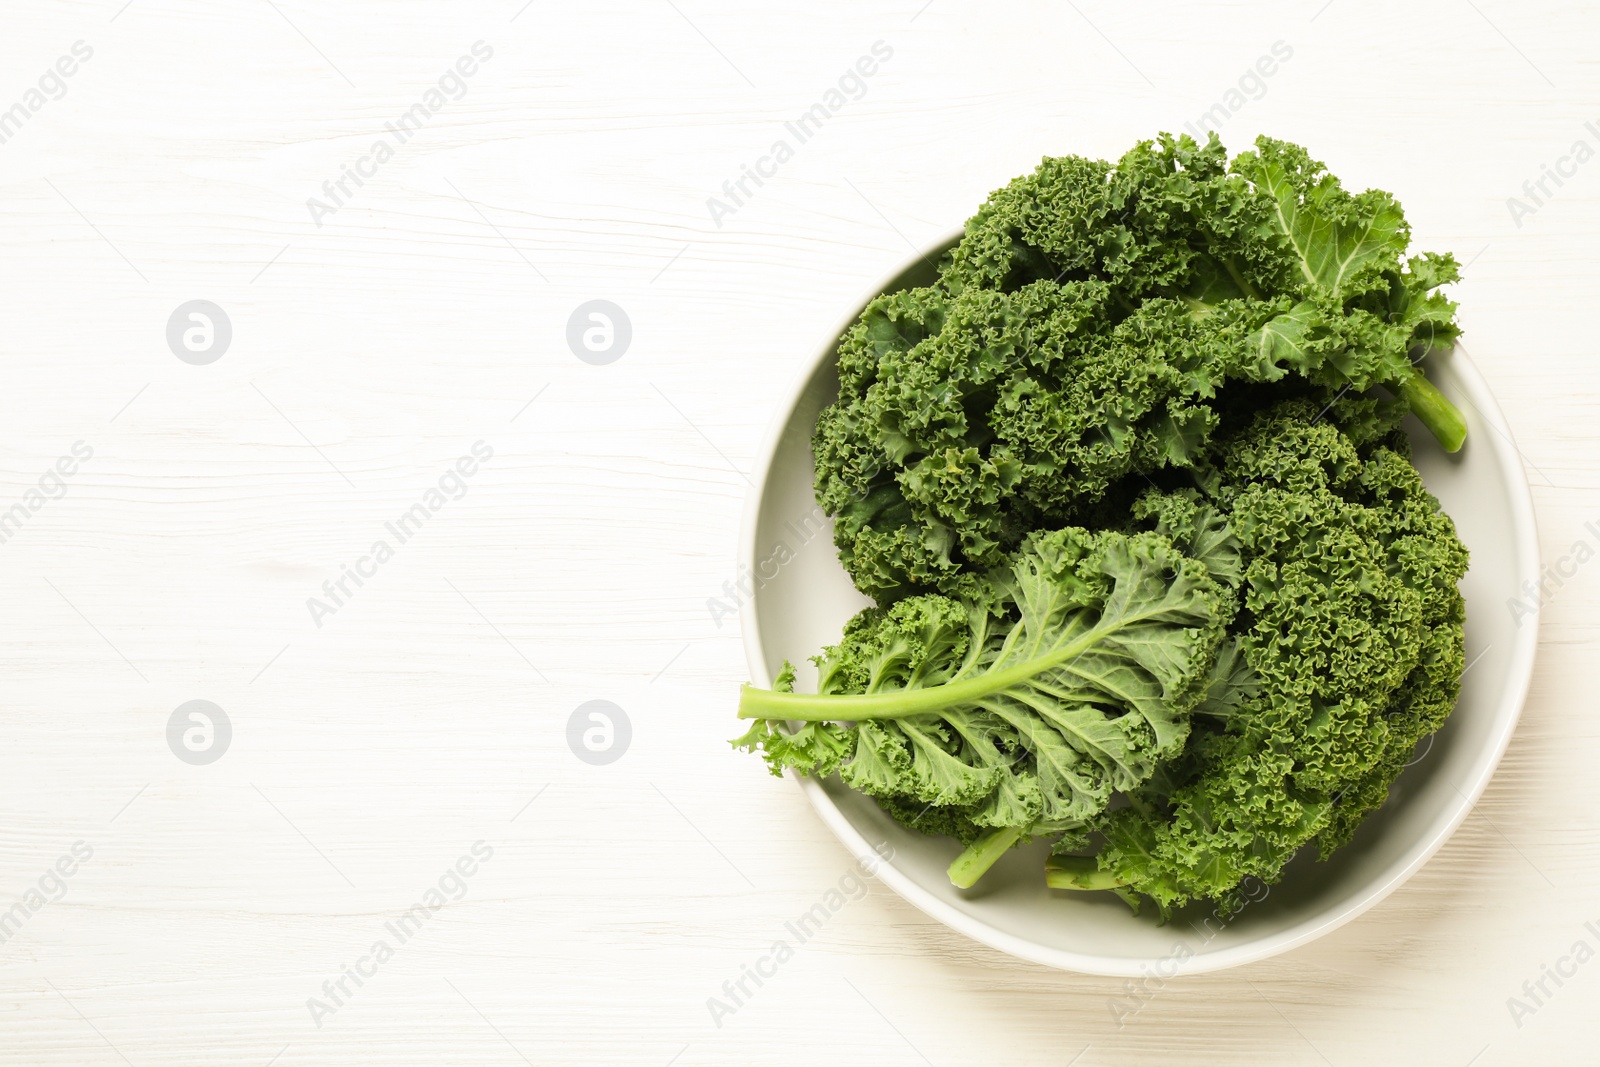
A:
[378,336]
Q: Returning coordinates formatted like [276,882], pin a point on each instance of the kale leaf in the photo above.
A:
[1351,630]
[1021,711]
[1094,328]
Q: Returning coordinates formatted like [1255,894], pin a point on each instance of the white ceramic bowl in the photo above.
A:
[803,598]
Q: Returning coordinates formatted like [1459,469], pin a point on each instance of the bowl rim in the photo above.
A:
[1519,678]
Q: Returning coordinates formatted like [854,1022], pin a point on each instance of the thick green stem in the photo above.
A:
[901,703]
[1079,872]
[981,855]
[1239,279]
[1442,418]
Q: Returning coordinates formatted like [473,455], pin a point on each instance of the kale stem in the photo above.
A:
[1239,279]
[755,703]
[979,856]
[1079,872]
[903,703]
[1442,418]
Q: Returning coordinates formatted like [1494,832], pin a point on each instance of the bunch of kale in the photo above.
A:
[1140,526]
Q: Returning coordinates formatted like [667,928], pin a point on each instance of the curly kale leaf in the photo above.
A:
[1179,350]
[1023,709]
[1351,630]
[1092,330]
[1365,313]
[1021,411]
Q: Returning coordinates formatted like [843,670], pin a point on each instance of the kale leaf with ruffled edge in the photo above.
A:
[1089,331]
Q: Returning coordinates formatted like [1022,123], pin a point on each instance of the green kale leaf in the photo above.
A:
[1023,710]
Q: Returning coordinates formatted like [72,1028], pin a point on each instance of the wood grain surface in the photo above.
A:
[375,344]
